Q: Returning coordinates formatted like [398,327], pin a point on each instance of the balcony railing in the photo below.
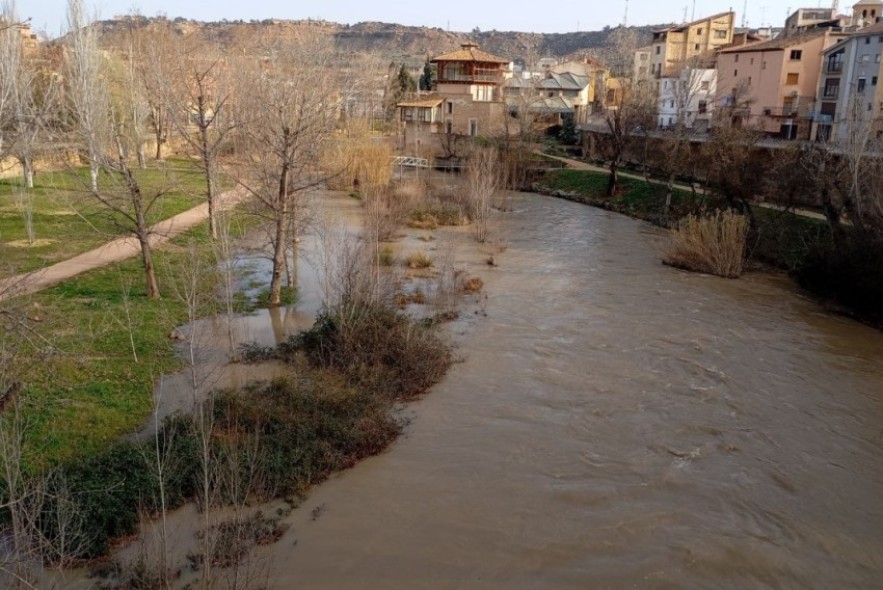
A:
[834,67]
[496,78]
[799,110]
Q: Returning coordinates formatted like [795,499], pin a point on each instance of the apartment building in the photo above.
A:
[674,47]
[773,84]
[850,98]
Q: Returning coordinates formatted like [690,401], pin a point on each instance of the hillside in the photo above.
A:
[395,42]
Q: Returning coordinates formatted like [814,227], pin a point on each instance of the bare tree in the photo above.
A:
[632,111]
[285,116]
[86,88]
[485,178]
[202,118]
[155,65]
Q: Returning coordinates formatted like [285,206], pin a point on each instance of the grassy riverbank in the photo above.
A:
[780,238]
[98,344]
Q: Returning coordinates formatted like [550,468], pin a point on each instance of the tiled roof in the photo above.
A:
[565,81]
[427,102]
[779,42]
[470,52]
[686,26]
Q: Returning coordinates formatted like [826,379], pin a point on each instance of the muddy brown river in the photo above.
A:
[615,423]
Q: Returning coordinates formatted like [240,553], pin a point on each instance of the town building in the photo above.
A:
[866,13]
[850,99]
[773,84]
[676,47]
[469,100]
[688,99]
[803,19]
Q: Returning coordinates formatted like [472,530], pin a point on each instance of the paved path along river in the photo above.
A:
[619,424]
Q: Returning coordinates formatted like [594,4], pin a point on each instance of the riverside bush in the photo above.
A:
[848,273]
[712,244]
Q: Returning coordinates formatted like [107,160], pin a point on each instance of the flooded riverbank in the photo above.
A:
[617,423]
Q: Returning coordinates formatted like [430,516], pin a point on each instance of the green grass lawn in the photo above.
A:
[67,220]
[83,387]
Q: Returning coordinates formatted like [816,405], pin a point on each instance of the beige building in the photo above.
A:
[773,84]
[866,13]
[675,47]
[469,100]
[804,19]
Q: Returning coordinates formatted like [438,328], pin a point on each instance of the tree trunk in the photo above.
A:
[27,165]
[280,246]
[613,179]
[142,157]
[93,176]
[149,271]
[208,167]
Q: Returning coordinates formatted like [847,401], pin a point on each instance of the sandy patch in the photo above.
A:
[27,244]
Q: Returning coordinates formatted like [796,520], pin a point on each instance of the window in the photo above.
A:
[867,40]
[860,87]
[720,34]
[735,73]
[792,79]
[749,80]
[449,126]
[699,31]
[874,81]
[449,108]
[751,62]
[737,58]
[866,58]
[877,58]
[832,88]
[473,127]
[796,54]
[763,66]
[703,85]
[697,47]
[703,107]
[657,49]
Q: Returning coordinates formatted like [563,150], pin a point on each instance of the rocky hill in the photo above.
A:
[396,42]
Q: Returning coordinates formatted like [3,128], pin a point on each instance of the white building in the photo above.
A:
[687,99]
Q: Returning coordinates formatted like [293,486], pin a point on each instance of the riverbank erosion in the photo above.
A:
[616,422]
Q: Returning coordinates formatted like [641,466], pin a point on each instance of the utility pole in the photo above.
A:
[625,17]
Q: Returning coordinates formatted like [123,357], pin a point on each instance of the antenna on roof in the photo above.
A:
[745,15]
[693,14]
[685,14]
[625,17]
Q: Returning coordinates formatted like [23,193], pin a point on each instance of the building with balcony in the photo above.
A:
[804,19]
[772,84]
[850,98]
[469,100]
[676,47]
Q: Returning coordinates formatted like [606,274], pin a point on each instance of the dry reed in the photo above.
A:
[713,244]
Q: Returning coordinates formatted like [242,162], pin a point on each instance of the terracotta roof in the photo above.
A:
[428,102]
[470,52]
[779,43]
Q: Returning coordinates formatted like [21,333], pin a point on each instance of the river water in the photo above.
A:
[615,423]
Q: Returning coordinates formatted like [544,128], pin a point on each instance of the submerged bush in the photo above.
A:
[377,349]
[713,244]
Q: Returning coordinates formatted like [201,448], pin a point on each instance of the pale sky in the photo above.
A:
[459,15]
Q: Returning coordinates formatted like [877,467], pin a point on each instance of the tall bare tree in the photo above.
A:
[284,117]
[203,115]
[86,89]
[632,112]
